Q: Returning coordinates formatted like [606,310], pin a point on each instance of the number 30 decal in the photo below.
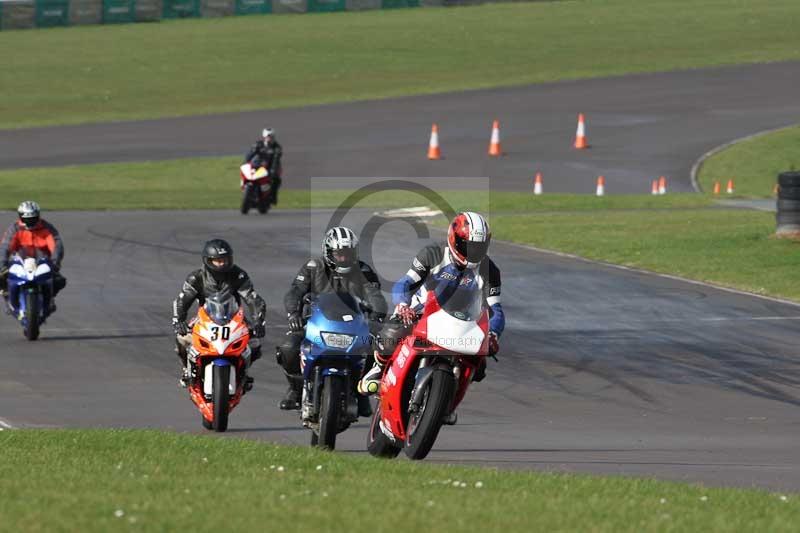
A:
[215,333]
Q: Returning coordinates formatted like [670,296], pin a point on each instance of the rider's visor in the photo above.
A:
[472,251]
[30,222]
[221,263]
[345,256]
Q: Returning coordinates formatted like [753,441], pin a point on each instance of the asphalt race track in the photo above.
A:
[602,369]
[639,126]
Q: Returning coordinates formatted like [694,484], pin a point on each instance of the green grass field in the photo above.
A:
[191,67]
[125,480]
[754,164]
[213,183]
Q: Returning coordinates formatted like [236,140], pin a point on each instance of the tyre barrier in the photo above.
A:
[787,217]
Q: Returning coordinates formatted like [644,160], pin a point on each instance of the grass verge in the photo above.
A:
[728,247]
[212,183]
[191,67]
[117,480]
[753,164]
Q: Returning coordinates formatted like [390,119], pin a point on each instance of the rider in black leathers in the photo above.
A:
[218,274]
[267,152]
[338,270]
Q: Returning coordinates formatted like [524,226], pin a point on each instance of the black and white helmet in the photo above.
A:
[267,132]
[29,213]
[340,249]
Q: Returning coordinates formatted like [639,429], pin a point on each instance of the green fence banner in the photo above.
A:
[18,15]
[217,8]
[148,10]
[85,12]
[326,5]
[174,9]
[51,13]
[289,6]
[253,7]
[392,4]
[118,11]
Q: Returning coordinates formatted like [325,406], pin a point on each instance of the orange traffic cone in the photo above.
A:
[580,135]
[601,186]
[662,185]
[729,190]
[433,145]
[716,188]
[494,143]
[654,188]
[537,184]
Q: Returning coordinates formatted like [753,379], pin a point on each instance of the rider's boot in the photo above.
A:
[371,381]
[186,377]
[364,406]
[291,400]
[451,419]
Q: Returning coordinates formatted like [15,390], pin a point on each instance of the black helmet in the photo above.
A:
[340,249]
[218,256]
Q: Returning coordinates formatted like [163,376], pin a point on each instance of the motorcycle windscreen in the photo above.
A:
[461,298]
[455,326]
[221,307]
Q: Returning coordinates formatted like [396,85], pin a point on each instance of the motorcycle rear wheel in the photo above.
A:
[424,426]
[31,316]
[378,444]
[220,397]
[330,411]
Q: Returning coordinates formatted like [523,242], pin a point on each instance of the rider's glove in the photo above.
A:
[494,344]
[405,314]
[295,322]
[259,330]
[180,326]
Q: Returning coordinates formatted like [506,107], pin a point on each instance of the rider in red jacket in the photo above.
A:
[32,234]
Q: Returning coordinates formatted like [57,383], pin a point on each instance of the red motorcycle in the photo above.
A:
[431,369]
[256,184]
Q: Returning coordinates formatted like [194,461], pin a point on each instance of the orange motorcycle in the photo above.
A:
[219,357]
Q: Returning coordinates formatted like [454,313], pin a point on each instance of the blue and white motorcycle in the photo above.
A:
[331,359]
[30,288]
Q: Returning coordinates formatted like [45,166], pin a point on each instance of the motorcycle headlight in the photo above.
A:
[337,340]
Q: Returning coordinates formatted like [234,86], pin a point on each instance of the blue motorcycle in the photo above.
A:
[30,288]
[331,358]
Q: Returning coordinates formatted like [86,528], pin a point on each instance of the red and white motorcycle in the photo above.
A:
[256,184]
[431,369]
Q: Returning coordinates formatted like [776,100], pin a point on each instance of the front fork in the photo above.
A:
[424,375]
[312,397]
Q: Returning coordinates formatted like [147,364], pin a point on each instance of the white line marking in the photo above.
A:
[5,425]
[699,163]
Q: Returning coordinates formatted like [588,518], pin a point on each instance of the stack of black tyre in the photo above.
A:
[788,215]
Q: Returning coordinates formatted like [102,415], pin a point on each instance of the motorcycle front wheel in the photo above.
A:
[330,411]
[424,425]
[220,397]
[246,198]
[31,328]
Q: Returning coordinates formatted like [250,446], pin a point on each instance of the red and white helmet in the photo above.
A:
[468,239]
